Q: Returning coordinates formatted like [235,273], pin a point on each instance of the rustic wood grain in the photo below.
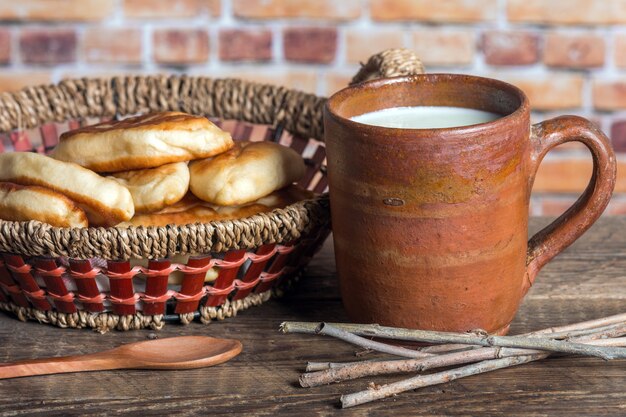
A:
[587,281]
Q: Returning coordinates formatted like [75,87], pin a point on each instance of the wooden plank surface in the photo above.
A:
[587,281]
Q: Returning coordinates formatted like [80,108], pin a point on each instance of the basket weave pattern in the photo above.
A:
[83,277]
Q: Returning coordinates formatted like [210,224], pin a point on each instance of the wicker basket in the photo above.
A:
[73,277]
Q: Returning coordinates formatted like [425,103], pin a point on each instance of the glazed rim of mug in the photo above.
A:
[454,90]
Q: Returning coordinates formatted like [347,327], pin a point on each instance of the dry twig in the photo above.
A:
[361,369]
[367,343]
[421,381]
[520,342]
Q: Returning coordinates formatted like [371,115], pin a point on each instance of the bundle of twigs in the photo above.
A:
[476,350]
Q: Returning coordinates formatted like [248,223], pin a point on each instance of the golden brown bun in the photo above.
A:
[155,188]
[23,203]
[246,173]
[193,210]
[105,201]
[141,142]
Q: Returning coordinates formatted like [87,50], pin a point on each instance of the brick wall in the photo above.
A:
[568,55]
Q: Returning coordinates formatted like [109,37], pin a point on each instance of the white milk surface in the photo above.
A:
[425,117]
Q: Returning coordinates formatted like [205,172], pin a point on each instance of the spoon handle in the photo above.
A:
[59,365]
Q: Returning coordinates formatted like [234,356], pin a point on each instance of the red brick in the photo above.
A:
[180,46]
[619,52]
[335,82]
[556,91]
[617,206]
[214,7]
[555,206]
[159,9]
[112,45]
[106,72]
[510,48]
[444,47]
[315,45]
[571,176]
[434,10]
[56,10]
[245,45]
[574,50]
[609,94]
[567,12]
[48,46]
[312,9]
[569,148]
[363,43]
[5,46]
[14,81]
[303,80]
[618,135]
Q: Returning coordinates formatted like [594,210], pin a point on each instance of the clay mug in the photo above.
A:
[430,225]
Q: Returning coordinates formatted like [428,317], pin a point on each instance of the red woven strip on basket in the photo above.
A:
[21,269]
[121,282]
[21,272]
[298,143]
[242,131]
[277,265]
[184,299]
[149,272]
[259,260]
[318,181]
[7,283]
[86,287]
[7,145]
[49,135]
[228,272]
[160,299]
[52,274]
[322,185]
[20,140]
[97,299]
[240,285]
[221,292]
[67,298]
[210,263]
[294,260]
[36,295]
[267,277]
[121,302]
[312,167]
[191,290]
[156,286]
[11,289]
[226,264]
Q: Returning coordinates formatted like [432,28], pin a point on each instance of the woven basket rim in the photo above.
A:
[288,223]
[227,99]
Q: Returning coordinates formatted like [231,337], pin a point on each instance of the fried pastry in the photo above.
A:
[105,201]
[22,203]
[246,173]
[140,142]
[155,188]
[193,210]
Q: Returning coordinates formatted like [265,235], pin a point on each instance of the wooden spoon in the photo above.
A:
[183,352]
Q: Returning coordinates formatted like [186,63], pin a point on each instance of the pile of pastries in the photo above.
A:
[150,170]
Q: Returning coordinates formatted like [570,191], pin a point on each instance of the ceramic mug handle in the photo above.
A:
[568,227]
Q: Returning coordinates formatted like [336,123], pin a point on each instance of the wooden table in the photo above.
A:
[586,281]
